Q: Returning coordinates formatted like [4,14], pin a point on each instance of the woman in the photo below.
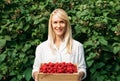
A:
[60,46]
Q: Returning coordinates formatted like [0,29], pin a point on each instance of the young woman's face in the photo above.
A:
[58,25]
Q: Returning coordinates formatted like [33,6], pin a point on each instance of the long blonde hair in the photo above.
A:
[68,34]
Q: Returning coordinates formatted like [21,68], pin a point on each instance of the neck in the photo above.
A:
[58,40]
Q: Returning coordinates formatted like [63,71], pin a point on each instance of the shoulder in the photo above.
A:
[78,47]
[77,43]
[42,44]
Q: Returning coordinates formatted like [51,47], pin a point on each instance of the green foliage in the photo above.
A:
[95,23]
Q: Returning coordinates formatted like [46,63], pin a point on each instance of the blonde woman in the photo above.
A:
[60,46]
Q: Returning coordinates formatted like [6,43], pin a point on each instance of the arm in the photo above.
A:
[37,63]
[35,75]
[81,63]
[81,75]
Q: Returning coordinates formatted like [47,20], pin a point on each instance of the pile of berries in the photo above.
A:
[58,68]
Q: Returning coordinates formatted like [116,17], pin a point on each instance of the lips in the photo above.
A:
[59,30]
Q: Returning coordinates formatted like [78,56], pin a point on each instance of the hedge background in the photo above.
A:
[95,23]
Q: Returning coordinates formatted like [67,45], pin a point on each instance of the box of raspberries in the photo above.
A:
[58,72]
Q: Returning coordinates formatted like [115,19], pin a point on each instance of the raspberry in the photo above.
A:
[58,68]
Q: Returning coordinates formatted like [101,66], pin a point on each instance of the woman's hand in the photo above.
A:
[81,74]
[35,74]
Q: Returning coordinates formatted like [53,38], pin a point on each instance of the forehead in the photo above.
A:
[56,18]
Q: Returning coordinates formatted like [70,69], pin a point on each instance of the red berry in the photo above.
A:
[58,68]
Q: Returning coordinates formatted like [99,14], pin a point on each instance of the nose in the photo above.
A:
[58,25]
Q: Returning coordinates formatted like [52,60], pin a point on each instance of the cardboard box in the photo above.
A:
[58,77]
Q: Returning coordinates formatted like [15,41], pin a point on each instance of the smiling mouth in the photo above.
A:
[59,30]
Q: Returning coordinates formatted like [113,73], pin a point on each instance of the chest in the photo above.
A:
[50,55]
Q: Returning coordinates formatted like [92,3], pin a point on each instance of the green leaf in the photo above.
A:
[2,57]
[105,20]
[19,77]
[26,47]
[88,43]
[100,78]
[91,56]
[1,76]
[13,79]
[118,78]
[107,48]
[36,21]
[116,49]
[89,63]
[27,74]
[84,29]
[103,41]
[92,70]
[2,43]
[100,65]
[115,67]
[12,73]
[8,38]
[108,80]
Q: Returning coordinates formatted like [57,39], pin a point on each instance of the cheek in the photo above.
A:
[64,27]
[52,26]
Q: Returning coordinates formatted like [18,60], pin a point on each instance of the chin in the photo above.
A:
[60,34]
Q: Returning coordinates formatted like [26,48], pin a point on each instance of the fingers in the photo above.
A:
[81,74]
[36,79]
[35,76]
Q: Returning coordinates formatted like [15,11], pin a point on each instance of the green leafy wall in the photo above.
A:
[95,23]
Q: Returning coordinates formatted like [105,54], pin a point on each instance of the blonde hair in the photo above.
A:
[68,33]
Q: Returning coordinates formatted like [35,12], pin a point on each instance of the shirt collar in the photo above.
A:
[62,46]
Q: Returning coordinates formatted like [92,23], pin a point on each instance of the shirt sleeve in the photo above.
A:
[81,60]
[37,60]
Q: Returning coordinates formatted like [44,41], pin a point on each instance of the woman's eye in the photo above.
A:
[62,22]
[55,22]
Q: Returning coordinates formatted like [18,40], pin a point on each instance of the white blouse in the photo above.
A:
[44,54]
